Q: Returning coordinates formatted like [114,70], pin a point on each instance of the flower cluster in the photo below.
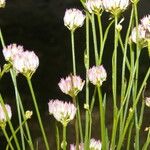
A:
[142,34]
[115,7]
[97,74]
[62,111]
[73,19]
[2,3]
[147,101]
[3,118]
[94,6]
[71,85]
[94,145]
[25,62]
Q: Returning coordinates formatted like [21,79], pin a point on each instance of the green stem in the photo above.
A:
[147,143]
[10,124]
[94,39]
[57,136]
[73,53]
[19,102]
[114,85]
[64,138]
[7,138]
[38,113]
[1,38]
[87,121]
[102,119]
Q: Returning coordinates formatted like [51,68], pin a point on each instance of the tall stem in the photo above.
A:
[38,114]
[73,53]
[64,138]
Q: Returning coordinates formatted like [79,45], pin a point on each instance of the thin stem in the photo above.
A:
[38,114]
[1,38]
[147,143]
[7,138]
[102,119]
[94,39]
[64,138]
[73,53]
[57,136]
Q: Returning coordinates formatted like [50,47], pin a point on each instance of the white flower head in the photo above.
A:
[94,6]
[115,7]
[73,19]
[26,63]
[71,85]
[97,74]
[2,3]
[62,111]
[145,21]
[147,101]
[73,147]
[11,51]
[141,35]
[3,118]
[95,144]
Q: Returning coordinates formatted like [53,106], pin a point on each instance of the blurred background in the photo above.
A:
[38,26]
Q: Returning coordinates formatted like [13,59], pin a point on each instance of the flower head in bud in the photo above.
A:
[73,147]
[71,85]
[94,6]
[147,101]
[62,111]
[73,19]
[115,7]
[2,3]
[3,118]
[26,63]
[97,74]
[11,51]
[28,114]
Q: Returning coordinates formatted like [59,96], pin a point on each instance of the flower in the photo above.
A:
[73,19]
[3,118]
[62,111]
[94,145]
[147,101]
[26,63]
[11,51]
[28,114]
[97,74]
[2,3]
[71,85]
[94,6]
[141,35]
[115,6]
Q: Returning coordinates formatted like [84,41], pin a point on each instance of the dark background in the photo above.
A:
[38,26]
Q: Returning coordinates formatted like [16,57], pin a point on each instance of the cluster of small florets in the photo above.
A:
[25,62]
[62,111]
[141,34]
[94,145]
[2,3]
[3,115]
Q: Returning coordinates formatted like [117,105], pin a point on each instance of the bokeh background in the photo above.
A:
[38,26]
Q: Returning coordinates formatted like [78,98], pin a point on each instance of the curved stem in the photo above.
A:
[38,114]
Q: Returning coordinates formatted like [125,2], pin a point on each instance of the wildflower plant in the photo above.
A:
[126,94]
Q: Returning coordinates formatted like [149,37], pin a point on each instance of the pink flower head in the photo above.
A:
[62,111]
[97,74]
[11,51]
[145,22]
[3,118]
[73,19]
[26,63]
[71,85]
[73,147]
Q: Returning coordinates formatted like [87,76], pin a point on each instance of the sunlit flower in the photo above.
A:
[73,19]
[2,3]
[141,35]
[147,101]
[28,114]
[11,51]
[145,21]
[62,111]
[26,63]
[72,85]
[3,118]
[97,74]
[115,6]
[94,145]
[94,6]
